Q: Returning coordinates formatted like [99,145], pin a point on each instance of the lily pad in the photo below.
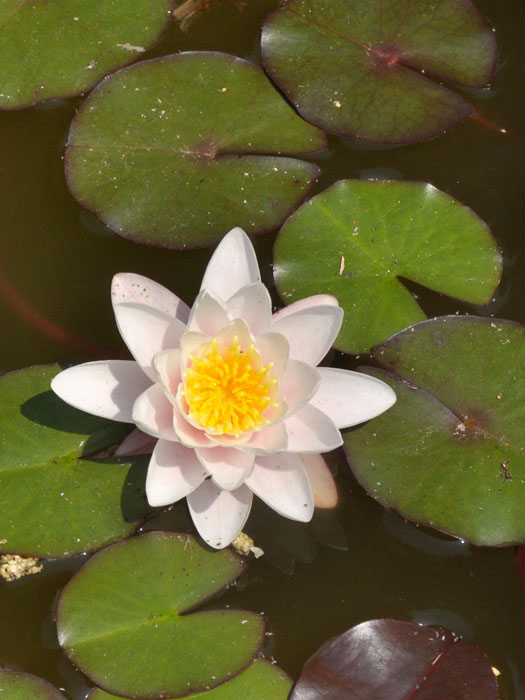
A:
[16,685]
[125,618]
[451,452]
[61,48]
[397,660]
[178,150]
[374,70]
[53,501]
[261,681]
[357,238]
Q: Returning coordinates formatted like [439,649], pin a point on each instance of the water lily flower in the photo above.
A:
[232,393]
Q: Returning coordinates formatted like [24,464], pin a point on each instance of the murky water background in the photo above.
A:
[362,561]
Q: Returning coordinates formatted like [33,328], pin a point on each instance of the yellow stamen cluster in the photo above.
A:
[228,390]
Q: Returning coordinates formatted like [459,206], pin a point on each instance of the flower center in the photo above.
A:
[228,390]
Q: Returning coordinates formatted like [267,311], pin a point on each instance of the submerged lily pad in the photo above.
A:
[61,48]
[178,150]
[397,660]
[373,70]
[125,618]
[16,685]
[451,452]
[357,238]
[261,681]
[53,501]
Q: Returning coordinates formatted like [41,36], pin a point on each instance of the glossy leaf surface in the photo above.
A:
[179,150]
[373,70]
[60,48]
[53,501]
[396,660]
[451,452]
[357,238]
[123,619]
[15,685]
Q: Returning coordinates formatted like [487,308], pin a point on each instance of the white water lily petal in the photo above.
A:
[311,430]
[228,467]
[236,329]
[174,471]
[298,384]
[311,331]
[321,480]
[231,440]
[233,265]
[104,388]
[350,398]
[273,348]
[190,344]
[307,303]
[268,440]
[127,286]
[153,414]
[282,483]
[254,305]
[208,314]
[219,515]
[147,331]
[168,372]
[187,432]
[136,443]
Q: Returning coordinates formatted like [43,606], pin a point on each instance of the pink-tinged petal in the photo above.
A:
[146,332]
[233,265]
[350,398]
[190,344]
[268,440]
[306,303]
[127,286]
[321,481]
[188,434]
[273,348]
[208,314]
[219,515]
[254,305]
[136,443]
[282,483]
[236,329]
[276,413]
[174,472]
[153,414]
[311,430]
[167,371]
[228,467]
[230,440]
[298,384]
[107,389]
[310,331]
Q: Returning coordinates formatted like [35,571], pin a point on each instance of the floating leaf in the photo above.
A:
[123,618]
[359,68]
[60,48]
[15,685]
[178,150]
[261,681]
[358,237]
[451,452]
[52,503]
[397,660]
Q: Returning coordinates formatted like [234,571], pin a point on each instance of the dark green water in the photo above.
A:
[58,260]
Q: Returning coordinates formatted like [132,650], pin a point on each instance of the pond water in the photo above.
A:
[361,561]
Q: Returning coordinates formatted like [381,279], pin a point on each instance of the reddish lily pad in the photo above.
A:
[373,70]
[357,238]
[127,618]
[397,660]
[178,150]
[16,685]
[61,48]
[451,452]
[54,500]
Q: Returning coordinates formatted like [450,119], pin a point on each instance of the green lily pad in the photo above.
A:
[362,69]
[61,48]
[178,150]
[261,681]
[127,621]
[451,452]
[357,238]
[52,502]
[15,685]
